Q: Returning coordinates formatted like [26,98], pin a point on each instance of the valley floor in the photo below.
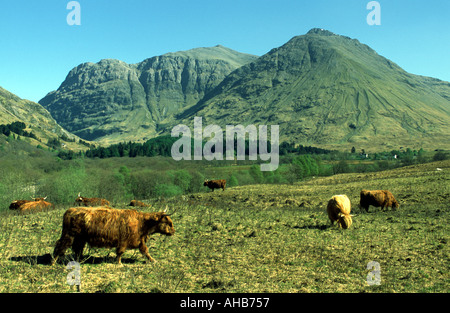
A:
[260,238]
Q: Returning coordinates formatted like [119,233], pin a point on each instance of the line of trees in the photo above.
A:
[289,147]
[162,146]
[17,128]
[156,146]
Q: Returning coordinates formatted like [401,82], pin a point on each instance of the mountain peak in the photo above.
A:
[217,52]
[320,31]
[330,90]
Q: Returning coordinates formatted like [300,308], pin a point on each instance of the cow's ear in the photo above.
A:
[152,218]
[157,216]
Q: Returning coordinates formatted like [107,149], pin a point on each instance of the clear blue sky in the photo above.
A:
[38,48]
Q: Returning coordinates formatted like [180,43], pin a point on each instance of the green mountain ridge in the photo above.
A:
[331,91]
[37,119]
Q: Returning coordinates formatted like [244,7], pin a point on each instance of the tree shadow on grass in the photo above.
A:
[47,258]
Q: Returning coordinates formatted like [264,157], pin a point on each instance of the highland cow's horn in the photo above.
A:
[79,194]
[167,214]
[45,197]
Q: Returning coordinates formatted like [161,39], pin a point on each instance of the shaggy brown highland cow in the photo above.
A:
[377,198]
[83,201]
[215,184]
[110,228]
[34,206]
[16,204]
[27,206]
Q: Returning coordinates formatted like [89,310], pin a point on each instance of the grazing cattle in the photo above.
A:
[34,206]
[83,201]
[138,203]
[338,210]
[111,228]
[213,184]
[377,198]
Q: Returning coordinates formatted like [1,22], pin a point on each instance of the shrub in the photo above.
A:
[196,183]
[268,177]
[278,177]
[182,179]
[255,172]
[440,156]
[167,190]
[341,167]
[289,174]
[63,187]
[244,177]
[113,186]
[305,166]
[143,184]
[232,181]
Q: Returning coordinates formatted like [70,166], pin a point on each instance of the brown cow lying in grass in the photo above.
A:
[338,210]
[138,203]
[83,201]
[110,228]
[34,206]
[377,198]
[37,204]
[213,184]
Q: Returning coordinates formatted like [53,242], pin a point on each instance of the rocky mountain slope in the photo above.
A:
[332,91]
[321,88]
[112,101]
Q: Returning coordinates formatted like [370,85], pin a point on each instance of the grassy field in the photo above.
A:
[259,238]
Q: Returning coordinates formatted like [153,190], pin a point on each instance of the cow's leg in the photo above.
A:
[144,250]
[61,245]
[119,251]
[77,247]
